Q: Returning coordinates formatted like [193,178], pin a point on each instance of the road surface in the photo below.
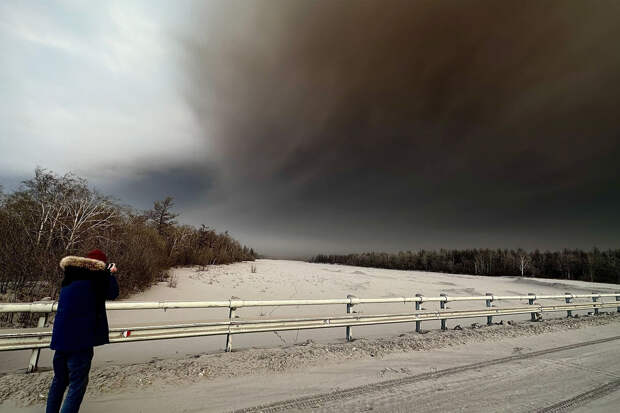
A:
[527,381]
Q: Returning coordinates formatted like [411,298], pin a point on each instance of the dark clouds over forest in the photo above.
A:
[353,125]
[404,124]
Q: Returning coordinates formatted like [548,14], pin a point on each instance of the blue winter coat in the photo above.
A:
[81,321]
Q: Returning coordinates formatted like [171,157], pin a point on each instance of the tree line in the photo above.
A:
[51,216]
[572,264]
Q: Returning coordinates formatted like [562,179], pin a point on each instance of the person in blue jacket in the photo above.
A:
[80,324]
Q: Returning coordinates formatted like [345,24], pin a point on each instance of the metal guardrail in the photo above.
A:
[40,337]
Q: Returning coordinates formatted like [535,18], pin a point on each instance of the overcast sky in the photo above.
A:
[328,126]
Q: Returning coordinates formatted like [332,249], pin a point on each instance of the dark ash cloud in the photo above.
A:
[398,124]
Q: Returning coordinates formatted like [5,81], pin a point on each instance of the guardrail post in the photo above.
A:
[350,304]
[531,302]
[418,304]
[36,353]
[231,316]
[442,306]
[595,299]
[489,305]
[569,313]
[618,300]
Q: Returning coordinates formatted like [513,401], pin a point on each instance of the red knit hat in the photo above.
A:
[97,255]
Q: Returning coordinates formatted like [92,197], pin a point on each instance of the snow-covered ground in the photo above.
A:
[280,279]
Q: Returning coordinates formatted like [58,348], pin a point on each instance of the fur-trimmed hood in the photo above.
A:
[82,262]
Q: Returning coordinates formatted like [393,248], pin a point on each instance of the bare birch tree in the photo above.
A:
[88,214]
[524,261]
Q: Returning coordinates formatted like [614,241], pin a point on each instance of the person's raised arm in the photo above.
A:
[112,292]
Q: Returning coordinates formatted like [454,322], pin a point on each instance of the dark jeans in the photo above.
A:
[70,369]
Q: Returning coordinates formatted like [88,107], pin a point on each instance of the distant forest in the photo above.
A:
[570,264]
[52,216]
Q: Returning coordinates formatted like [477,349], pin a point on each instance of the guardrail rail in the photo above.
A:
[40,336]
